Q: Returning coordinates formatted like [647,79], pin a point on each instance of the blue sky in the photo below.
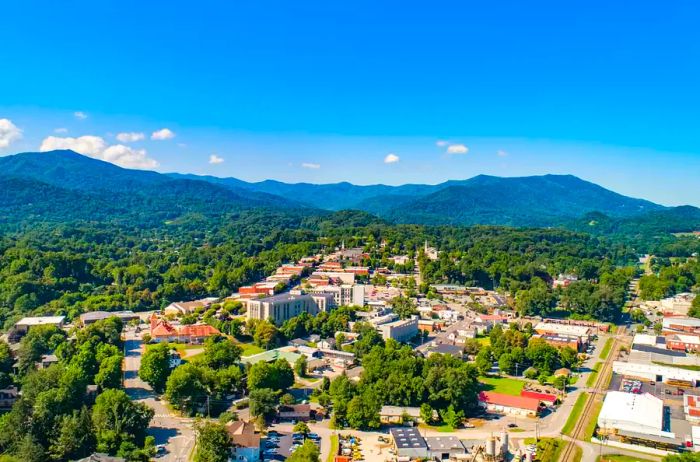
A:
[326,91]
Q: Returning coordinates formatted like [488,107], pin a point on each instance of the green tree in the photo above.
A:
[301,427]
[263,403]
[426,413]
[117,419]
[300,366]
[155,366]
[213,443]
[76,438]
[404,307]
[307,452]
[185,387]
[109,374]
[452,418]
[220,352]
[506,364]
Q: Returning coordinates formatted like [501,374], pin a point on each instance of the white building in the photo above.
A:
[401,331]
[24,324]
[656,372]
[344,295]
[583,332]
[630,412]
[678,304]
[282,307]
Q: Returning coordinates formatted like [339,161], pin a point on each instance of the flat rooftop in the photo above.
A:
[408,438]
[40,320]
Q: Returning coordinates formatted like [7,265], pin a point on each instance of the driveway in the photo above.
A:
[168,428]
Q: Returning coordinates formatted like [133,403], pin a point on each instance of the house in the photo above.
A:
[297,342]
[245,441]
[298,412]
[185,308]
[8,397]
[327,344]
[91,392]
[46,361]
[25,324]
[509,404]
[397,414]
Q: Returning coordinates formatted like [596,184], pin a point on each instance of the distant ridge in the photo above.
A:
[64,185]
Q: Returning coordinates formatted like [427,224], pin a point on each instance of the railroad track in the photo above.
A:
[577,434]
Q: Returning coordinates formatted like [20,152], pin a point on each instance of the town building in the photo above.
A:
[634,416]
[396,414]
[670,375]
[259,289]
[164,331]
[561,341]
[298,412]
[185,308]
[245,441]
[683,342]
[444,447]
[679,304]
[409,443]
[509,404]
[282,307]
[25,324]
[549,328]
[402,331]
[344,294]
[681,324]
[93,316]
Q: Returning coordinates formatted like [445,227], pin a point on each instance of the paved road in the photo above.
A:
[169,429]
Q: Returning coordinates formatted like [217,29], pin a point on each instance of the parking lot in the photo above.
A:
[280,445]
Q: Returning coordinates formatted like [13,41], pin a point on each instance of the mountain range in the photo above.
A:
[64,185]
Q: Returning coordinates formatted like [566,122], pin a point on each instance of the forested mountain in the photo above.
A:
[547,200]
[64,186]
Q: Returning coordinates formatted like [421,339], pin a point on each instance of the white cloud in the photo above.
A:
[163,134]
[96,147]
[9,133]
[214,159]
[391,158]
[441,143]
[130,137]
[501,153]
[457,149]
[80,115]
[311,165]
[60,130]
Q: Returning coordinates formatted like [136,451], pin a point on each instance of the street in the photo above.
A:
[175,432]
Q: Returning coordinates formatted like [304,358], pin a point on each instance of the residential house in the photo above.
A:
[185,308]
[245,441]
[397,414]
[164,331]
[8,397]
[298,412]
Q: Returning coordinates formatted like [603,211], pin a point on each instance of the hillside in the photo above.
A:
[63,186]
[526,201]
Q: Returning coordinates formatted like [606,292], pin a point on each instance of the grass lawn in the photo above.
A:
[594,374]
[250,349]
[334,448]
[575,414]
[590,427]
[578,453]
[620,458]
[606,349]
[485,341]
[444,428]
[688,367]
[503,385]
[549,449]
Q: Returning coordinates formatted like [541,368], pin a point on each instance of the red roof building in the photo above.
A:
[509,404]
[163,331]
[542,397]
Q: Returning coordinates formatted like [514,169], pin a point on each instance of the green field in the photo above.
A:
[594,374]
[620,458]
[549,449]
[606,348]
[503,385]
[485,341]
[575,414]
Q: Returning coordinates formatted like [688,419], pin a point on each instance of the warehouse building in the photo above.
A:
[509,404]
[444,447]
[654,372]
[409,443]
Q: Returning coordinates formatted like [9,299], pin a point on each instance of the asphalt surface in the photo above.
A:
[175,432]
